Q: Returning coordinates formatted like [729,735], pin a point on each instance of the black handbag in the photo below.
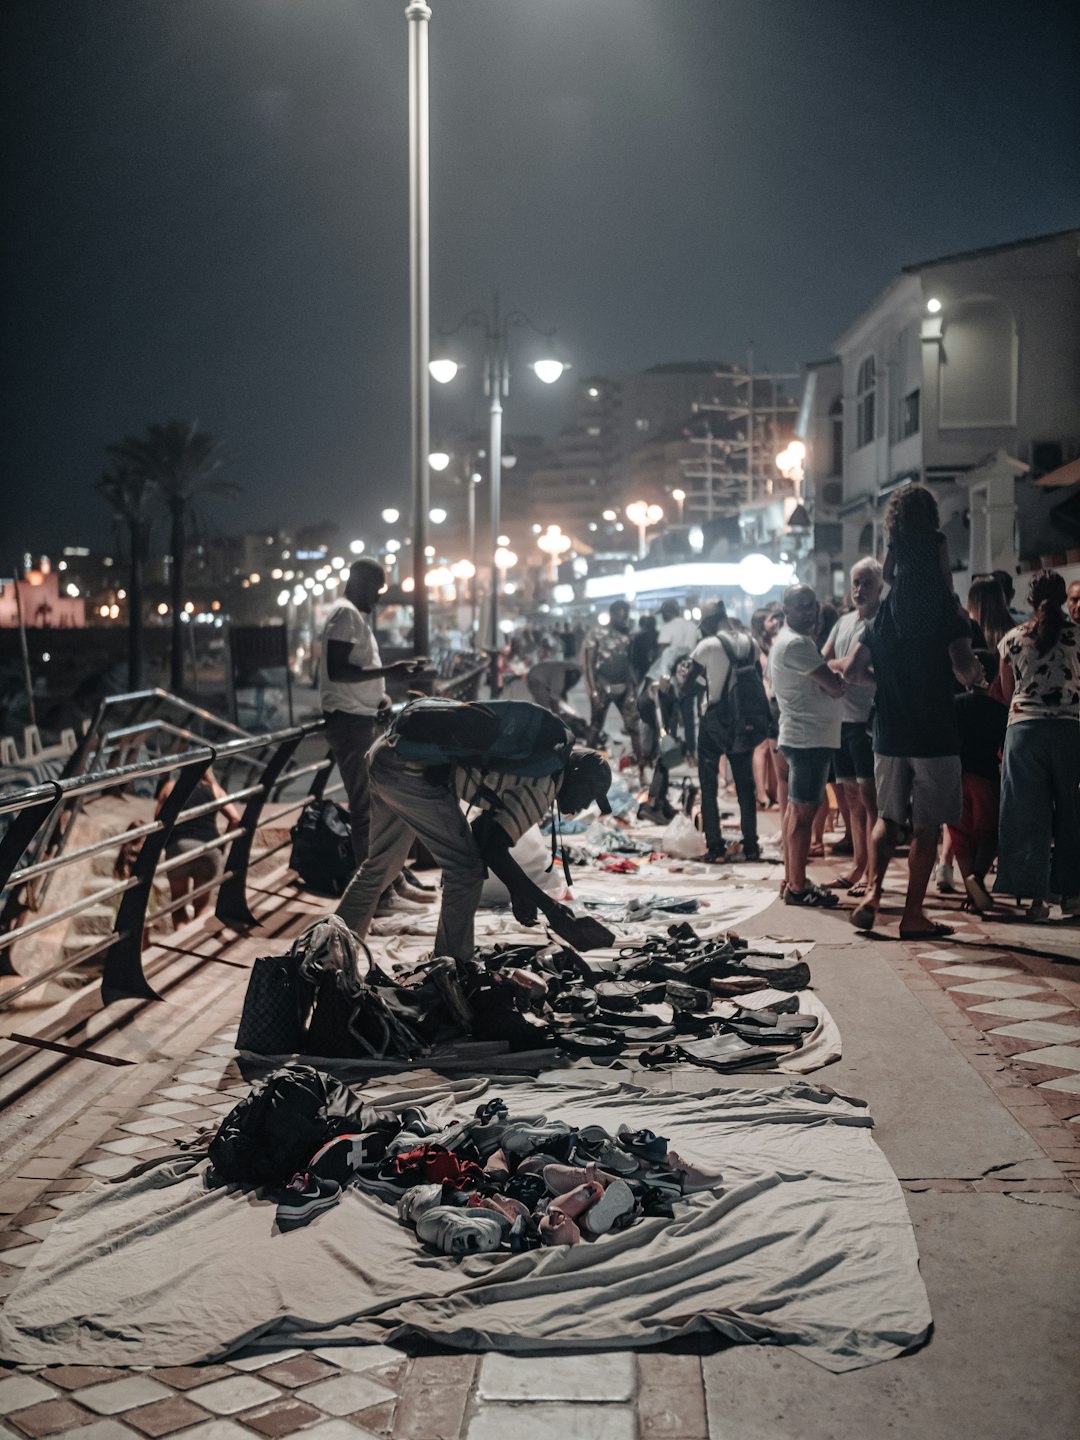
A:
[276,1005]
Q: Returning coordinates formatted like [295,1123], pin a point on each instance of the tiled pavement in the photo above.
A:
[1015,1018]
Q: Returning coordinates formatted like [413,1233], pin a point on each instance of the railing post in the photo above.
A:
[24,826]
[232,907]
[123,978]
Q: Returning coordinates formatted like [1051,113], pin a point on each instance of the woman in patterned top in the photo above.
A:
[1039,834]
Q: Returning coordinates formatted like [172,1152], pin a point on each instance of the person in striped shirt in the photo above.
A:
[411,800]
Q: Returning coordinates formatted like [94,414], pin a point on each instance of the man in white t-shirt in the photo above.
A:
[807,692]
[352,689]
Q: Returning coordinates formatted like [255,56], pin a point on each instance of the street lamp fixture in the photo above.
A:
[643,515]
[390,517]
[554,544]
[505,559]
[437,516]
[495,326]
[679,496]
[438,460]
[443,371]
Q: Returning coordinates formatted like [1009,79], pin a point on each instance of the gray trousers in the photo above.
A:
[1039,828]
[405,804]
[349,738]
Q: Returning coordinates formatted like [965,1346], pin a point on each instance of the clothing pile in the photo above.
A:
[490,1183]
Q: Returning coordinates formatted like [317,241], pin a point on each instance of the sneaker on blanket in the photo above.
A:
[552,1138]
[616,1203]
[561,1179]
[556,1228]
[460,1232]
[644,1144]
[339,1159]
[417,1200]
[304,1197]
[596,1145]
[414,1118]
[504,1205]
[693,1177]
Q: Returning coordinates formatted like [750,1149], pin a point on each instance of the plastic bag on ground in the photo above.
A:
[682,840]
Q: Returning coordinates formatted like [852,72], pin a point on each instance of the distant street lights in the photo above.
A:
[643,515]
[554,544]
[679,496]
[496,331]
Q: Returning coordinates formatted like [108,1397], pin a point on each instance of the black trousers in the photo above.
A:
[350,738]
[713,743]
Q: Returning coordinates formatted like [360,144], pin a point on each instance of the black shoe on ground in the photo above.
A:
[715,855]
[304,1197]
[651,814]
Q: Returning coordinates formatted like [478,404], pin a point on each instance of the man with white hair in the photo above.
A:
[854,761]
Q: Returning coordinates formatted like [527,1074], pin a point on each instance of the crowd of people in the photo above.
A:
[914,719]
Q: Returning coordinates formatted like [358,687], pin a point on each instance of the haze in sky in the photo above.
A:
[207,210]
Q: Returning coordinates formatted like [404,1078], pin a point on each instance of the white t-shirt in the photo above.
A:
[809,718]
[679,634]
[355,697]
[712,656]
[846,637]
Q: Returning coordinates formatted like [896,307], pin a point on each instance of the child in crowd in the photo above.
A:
[917,563]
[981,721]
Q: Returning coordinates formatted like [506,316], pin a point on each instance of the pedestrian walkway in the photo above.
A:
[969,1054]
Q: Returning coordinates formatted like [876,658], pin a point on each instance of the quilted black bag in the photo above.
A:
[275,1007]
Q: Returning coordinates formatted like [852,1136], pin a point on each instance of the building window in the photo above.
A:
[836,417]
[641,424]
[977,372]
[909,415]
[864,402]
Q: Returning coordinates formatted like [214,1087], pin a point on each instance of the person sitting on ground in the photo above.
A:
[712,661]
[981,721]
[917,562]
[810,723]
[411,800]
[187,838]
[854,760]
[1039,833]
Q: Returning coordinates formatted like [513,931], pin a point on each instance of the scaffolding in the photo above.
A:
[737,467]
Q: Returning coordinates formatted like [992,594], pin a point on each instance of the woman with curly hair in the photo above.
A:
[1039,831]
[917,563]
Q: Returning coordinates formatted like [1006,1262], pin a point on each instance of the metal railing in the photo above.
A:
[33,849]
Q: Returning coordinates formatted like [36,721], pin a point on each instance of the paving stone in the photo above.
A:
[671,1398]
[259,1359]
[150,1125]
[21,1255]
[303,1370]
[11,1240]
[111,1167]
[343,1394]
[40,1230]
[357,1358]
[209,1430]
[117,1395]
[433,1405]
[378,1419]
[184,1092]
[33,1215]
[18,1392]
[168,1108]
[1062,1057]
[604,1376]
[77,1377]
[40,1168]
[50,1417]
[186,1377]
[283,1417]
[999,989]
[107,1430]
[165,1416]
[208,1078]
[1070,1084]
[239,1392]
[541,1422]
[979,972]
[337,1430]
[129,1145]
[1031,1010]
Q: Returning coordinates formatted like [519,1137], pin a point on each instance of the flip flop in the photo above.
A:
[858,890]
[934,932]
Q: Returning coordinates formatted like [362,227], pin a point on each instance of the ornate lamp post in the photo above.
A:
[641,514]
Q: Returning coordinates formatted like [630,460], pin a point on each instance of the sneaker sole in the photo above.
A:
[617,1200]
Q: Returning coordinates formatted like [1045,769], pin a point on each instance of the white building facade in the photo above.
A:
[964,374]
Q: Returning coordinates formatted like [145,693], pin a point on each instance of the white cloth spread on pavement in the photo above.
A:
[808,1244]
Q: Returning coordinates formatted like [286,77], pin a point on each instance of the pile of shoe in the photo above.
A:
[496,1183]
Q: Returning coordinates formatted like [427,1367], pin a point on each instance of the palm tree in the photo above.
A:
[182,462]
[130,493]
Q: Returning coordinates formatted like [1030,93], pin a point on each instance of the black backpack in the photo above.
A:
[748,705]
[276,1129]
[322,852]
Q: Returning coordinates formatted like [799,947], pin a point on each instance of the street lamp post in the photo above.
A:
[496,331]
[641,514]
[418,14]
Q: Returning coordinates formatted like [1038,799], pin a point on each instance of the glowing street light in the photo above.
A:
[553,543]
[443,371]
[437,516]
[438,460]
[933,305]
[463,570]
[356,547]
[643,515]
[790,462]
[505,559]
[548,371]
[439,578]
[390,517]
[679,496]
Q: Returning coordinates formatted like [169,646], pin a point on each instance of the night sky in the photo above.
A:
[206,209]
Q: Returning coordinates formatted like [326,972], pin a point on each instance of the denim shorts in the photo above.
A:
[855,758]
[808,772]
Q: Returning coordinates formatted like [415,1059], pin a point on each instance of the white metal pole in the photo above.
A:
[418,15]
